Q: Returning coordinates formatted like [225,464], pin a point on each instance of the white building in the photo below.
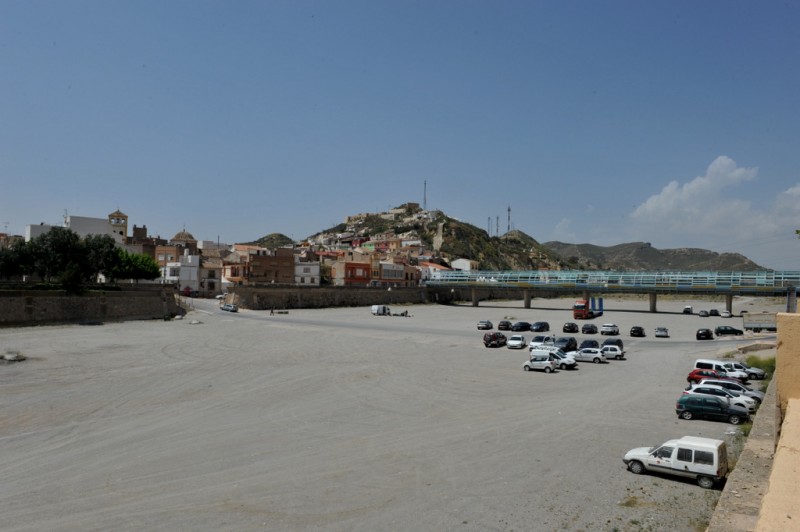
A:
[115,226]
[306,273]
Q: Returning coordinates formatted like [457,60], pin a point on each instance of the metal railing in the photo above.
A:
[755,281]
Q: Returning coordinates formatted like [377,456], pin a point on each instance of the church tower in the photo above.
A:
[118,221]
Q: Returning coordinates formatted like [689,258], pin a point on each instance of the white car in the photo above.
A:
[612,351]
[517,341]
[725,314]
[610,329]
[541,341]
[587,354]
[540,361]
[564,360]
[662,332]
[736,387]
[743,401]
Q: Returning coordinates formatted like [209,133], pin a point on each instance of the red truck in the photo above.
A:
[582,311]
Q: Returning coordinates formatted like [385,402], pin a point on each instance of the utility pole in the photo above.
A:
[509,218]
[425,197]
[497,226]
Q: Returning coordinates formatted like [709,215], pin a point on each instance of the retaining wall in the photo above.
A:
[24,308]
[324,297]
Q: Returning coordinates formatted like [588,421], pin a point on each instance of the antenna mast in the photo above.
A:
[509,218]
[425,197]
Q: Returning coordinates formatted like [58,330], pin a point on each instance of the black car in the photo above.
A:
[724,330]
[566,343]
[713,312]
[589,328]
[613,341]
[521,326]
[494,339]
[570,327]
[540,326]
[591,344]
[637,331]
[704,334]
[710,407]
[504,325]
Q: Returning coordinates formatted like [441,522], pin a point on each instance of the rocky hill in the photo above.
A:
[450,238]
[642,256]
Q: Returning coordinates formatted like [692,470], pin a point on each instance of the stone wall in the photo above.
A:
[25,308]
[323,297]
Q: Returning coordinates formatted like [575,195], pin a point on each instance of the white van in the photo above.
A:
[720,367]
[703,459]
[381,310]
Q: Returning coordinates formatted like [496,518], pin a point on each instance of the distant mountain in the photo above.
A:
[450,239]
[639,256]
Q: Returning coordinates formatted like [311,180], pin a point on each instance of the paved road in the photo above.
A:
[335,419]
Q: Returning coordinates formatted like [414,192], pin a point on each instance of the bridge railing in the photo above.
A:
[613,280]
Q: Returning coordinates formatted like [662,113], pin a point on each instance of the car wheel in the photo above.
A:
[734,419]
[636,467]
[705,482]
[547,369]
[526,368]
[596,360]
[563,366]
[753,376]
[618,357]
[686,415]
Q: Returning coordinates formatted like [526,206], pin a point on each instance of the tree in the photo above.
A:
[102,256]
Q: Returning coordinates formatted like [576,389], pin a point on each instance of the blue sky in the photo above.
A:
[674,123]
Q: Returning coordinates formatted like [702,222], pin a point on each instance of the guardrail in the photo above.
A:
[739,282]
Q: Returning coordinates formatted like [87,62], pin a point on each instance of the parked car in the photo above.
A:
[637,331]
[484,325]
[612,351]
[521,326]
[710,407]
[230,307]
[609,328]
[589,328]
[752,372]
[570,327]
[540,341]
[697,375]
[688,309]
[727,330]
[517,341]
[703,313]
[504,325]
[563,360]
[704,334]
[734,398]
[566,343]
[738,387]
[540,326]
[662,332]
[495,339]
[612,341]
[703,459]
[540,361]
[719,366]
[725,314]
[713,312]
[593,344]
[589,355]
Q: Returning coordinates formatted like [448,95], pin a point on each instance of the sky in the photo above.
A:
[600,122]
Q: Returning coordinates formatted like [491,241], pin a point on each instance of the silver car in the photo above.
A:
[588,354]
[517,341]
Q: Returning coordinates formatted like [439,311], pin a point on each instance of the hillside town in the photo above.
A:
[351,257]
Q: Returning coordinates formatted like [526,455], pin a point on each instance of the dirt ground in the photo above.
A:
[334,419]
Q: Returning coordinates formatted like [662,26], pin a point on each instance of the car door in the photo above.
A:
[713,409]
[660,460]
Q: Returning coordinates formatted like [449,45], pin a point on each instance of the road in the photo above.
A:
[333,419]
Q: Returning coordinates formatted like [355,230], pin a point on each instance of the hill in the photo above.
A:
[450,239]
[642,256]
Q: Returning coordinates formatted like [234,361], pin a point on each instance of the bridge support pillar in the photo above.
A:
[526,295]
[729,303]
[474,294]
[653,300]
[586,295]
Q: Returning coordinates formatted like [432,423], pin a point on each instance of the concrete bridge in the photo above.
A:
[587,284]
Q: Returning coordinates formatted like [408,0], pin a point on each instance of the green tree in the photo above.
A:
[101,255]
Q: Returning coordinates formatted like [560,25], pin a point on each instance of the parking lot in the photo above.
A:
[335,419]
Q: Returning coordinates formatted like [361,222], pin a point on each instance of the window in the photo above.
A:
[684,455]
[664,452]
[704,457]
[212,274]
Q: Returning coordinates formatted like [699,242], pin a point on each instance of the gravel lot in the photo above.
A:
[335,419]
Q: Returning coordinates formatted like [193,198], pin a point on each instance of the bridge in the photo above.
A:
[588,283]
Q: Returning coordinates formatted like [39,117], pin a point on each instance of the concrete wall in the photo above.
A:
[25,308]
[779,508]
[322,297]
